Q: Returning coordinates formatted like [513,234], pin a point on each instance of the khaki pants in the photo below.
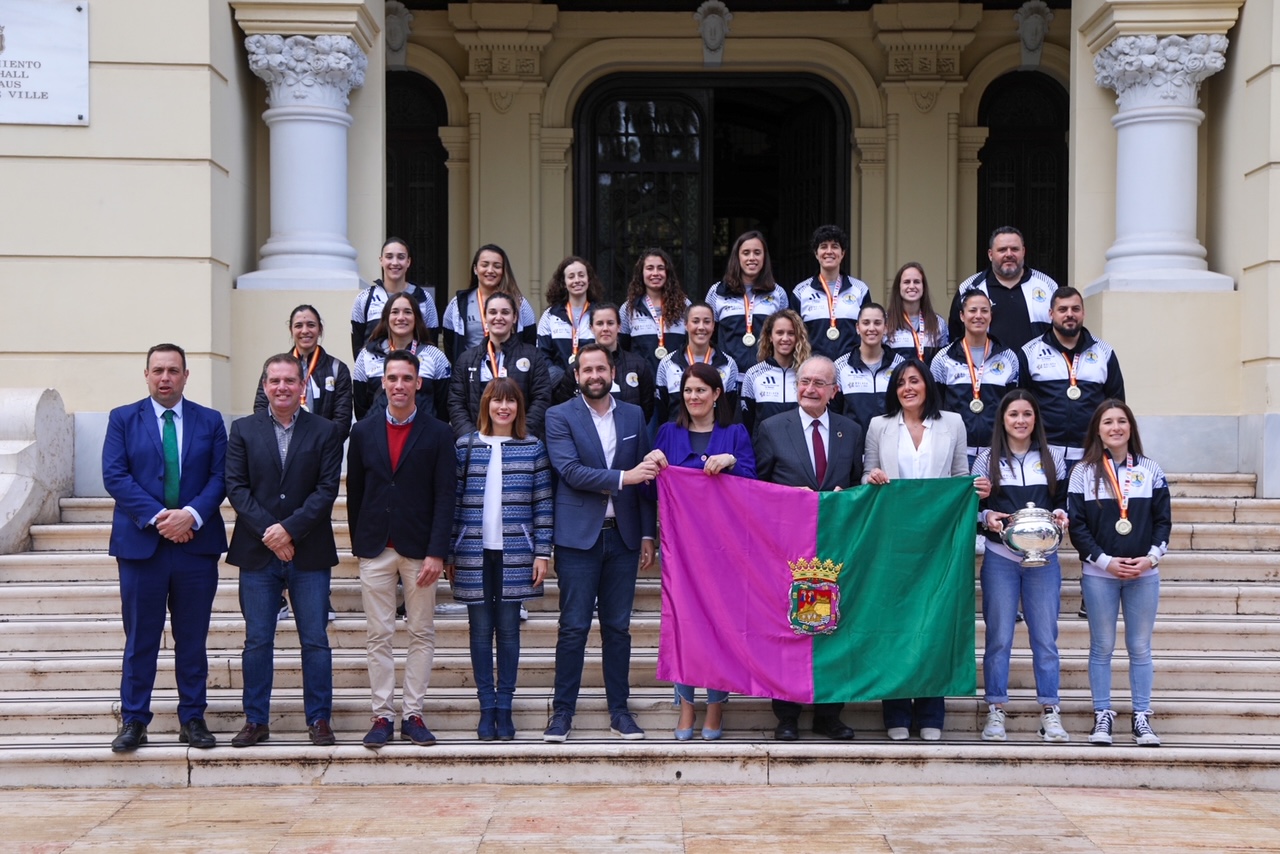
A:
[378,577]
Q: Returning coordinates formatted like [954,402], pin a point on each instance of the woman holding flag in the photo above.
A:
[1120,512]
[704,436]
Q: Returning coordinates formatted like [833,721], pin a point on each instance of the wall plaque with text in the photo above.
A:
[44,62]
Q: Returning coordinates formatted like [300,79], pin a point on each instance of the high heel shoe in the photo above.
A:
[683,734]
[487,729]
[506,727]
[711,734]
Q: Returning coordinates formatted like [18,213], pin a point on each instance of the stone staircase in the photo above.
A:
[1217,696]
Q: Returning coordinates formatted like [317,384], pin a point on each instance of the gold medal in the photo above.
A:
[749,339]
[660,351]
[976,406]
[1073,392]
[1123,526]
[833,333]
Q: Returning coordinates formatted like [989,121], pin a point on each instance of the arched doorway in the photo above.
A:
[417,179]
[689,162]
[1022,179]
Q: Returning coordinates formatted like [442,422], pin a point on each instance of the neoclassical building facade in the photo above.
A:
[245,156]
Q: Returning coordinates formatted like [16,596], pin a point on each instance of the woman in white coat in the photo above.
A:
[915,438]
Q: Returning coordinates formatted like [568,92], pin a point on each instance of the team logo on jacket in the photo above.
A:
[1039,294]
[1137,477]
[815,596]
[522,364]
[633,379]
[1091,357]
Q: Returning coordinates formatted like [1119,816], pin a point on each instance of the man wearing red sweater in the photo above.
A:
[400,496]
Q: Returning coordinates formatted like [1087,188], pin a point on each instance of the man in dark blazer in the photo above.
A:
[162,462]
[604,530]
[283,470]
[401,476]
[814,448]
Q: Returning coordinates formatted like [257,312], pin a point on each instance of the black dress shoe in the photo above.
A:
[787,730]
[832,728]
[132,734]
[250,734]
[195,733]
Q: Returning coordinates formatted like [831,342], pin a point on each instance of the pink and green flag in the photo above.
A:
[771,591]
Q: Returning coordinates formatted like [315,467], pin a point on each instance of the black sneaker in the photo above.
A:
[1102,721]
[1143,734]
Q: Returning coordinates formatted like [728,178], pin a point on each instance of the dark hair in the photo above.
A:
[1005,229]
[722,411]
[932,400]
[1039,442]
[502,388]
[402,356]
[306,307]
[673,296]
[967,295]
[1064,292]
[282,359]
[515,308]
[168,348]
[895,317]
[508,284]
[803,348]
[826,234]
[593,347]
[1094,451]
[383,329]
[699,304]
[875,305]
[732,279]
[558,292]
[605,306]
[394,239]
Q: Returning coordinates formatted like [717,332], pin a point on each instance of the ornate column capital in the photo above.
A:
[1147,71]
[304,71]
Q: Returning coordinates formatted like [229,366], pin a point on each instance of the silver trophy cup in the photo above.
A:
[1032,533]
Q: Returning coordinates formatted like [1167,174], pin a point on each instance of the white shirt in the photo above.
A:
[491,527]
[177,426]
[913,462]
[608,434]
[824,429]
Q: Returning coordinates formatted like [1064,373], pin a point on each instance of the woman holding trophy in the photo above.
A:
[1023,518]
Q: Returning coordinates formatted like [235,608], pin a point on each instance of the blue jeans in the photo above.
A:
[1005,583]
[926,711]
[1103,598]
[260,602]
[485,620]
[685,692]
[601,578]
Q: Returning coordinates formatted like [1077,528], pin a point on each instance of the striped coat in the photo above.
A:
[527,510]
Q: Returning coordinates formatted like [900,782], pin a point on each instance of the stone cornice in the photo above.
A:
[351,18]
[1158,17]
[504,41]
[925,40]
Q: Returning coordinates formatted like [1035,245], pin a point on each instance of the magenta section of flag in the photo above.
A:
[726,582]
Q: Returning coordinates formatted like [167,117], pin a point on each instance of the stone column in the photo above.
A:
[308,84]
[1157,83]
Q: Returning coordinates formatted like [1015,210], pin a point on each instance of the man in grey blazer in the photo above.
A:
[604,530]
[814,448]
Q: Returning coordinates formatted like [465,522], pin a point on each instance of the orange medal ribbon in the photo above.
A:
[311,369]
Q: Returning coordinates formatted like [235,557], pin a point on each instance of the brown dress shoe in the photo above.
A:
[250,734]
[321,734]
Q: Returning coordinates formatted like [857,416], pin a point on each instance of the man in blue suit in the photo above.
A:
[604,530]
[162,462]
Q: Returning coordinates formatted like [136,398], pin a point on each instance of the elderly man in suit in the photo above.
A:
[401,476]
[162,462]
[604,530]
[814,448]
[283,469]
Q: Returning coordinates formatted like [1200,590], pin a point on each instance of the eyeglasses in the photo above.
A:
[808,382]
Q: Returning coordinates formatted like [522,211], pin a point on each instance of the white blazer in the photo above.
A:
[948,456]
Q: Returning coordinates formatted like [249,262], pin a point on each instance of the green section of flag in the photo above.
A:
[906,591]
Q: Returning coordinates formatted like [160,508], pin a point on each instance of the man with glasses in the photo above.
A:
[812,448]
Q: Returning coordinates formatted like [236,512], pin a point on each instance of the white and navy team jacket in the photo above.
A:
[768,389]
[638,332]
[1022,482]
[671,371]
[1017,314]
[366,311]
[463,329]
[1000,374]
[902,342]
[1094,510]
[862,387]
[731,324]
[1045,373]
[812,304]
[555,339]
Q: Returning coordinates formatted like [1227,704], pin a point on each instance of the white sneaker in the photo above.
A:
[899,733]
[1051,725]
[283,613]
[1143,734]
[994,730]
[980,545]
[524,613]
[1102,721]
[930,733]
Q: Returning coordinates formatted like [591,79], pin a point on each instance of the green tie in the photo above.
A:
[171,475]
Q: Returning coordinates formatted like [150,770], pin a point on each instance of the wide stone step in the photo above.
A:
[1195,485]
[99,510]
